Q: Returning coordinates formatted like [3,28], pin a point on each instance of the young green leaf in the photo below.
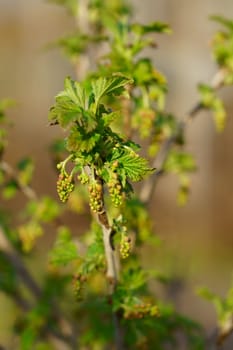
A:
[69,105]
[134,166]
[224,21]
[109,86]
[10,189]
[64,250]
[211,101]
[75,92]
[155,27]
[179,162]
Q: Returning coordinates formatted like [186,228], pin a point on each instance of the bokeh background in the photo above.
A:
[197,240]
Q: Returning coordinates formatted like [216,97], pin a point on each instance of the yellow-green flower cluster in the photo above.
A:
[96,196]
[125,246]
[65,186]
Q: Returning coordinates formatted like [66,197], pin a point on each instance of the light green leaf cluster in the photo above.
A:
[154,27]
[223,47]
[64,250]
[211,101]
[100,14]
[79,103]
[24,173]
[91,141]
[45,209]
[133,166]
[28,233]
[182,164]
[114,85]
[26,170]
[150,85]
[10,189]
[223,307]
[139,221]
[37,212]
[75,44]
[94,257]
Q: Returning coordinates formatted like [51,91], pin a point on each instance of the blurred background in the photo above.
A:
[198,238]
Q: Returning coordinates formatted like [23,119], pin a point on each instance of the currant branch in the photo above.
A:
[148,188]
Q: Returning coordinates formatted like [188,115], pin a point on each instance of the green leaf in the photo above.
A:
[46,209]
[207,95]
[28,234]
[74,44]
[78,141]
[133,278]
[210,296]
[224,21]
[75,92]
[184,189]
[70,104]
[137,218]
[108,118]
[211,101]
[223,307]
[109,86]
[57,149]
[143,71]
[134,166]
[64,250]
[219,115]
[155,27]
[179,162]
[10,189]
[26,169]
[64,111]
[27,339]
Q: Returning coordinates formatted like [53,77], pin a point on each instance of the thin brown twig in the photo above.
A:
[18,264]
[112,273]
[148,188]
[215,340]
[25,189]
[224,332]
[103,220]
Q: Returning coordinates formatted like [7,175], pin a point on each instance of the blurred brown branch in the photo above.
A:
[23,273]
[25,189]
